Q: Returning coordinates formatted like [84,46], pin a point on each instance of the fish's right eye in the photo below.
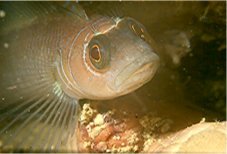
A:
[95,53]
[99,52]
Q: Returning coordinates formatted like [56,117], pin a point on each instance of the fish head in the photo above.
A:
[117,58]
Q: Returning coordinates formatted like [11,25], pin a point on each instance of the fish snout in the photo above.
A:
[136,73]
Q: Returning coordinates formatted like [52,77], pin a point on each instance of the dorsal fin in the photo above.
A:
[75,8]
[15,15]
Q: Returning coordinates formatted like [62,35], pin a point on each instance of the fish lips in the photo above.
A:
[137,73]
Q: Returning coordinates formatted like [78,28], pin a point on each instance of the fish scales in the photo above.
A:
[51,58]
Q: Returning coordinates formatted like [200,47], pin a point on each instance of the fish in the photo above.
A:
[52,56]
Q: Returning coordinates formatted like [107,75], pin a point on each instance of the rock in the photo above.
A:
[202,137]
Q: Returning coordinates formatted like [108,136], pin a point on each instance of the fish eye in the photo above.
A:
[95,53]
[138,31]
[99,52]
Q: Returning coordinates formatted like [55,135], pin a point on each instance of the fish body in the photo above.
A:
[52,57]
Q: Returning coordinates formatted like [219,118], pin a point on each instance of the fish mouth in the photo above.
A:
[136,74]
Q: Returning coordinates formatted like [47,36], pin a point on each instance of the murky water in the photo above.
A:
[190,38]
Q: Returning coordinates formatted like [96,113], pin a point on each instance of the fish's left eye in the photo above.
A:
[139,31]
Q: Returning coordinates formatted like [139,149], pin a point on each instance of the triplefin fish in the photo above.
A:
[51,57]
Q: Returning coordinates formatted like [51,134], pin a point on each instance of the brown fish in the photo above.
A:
[51,57]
